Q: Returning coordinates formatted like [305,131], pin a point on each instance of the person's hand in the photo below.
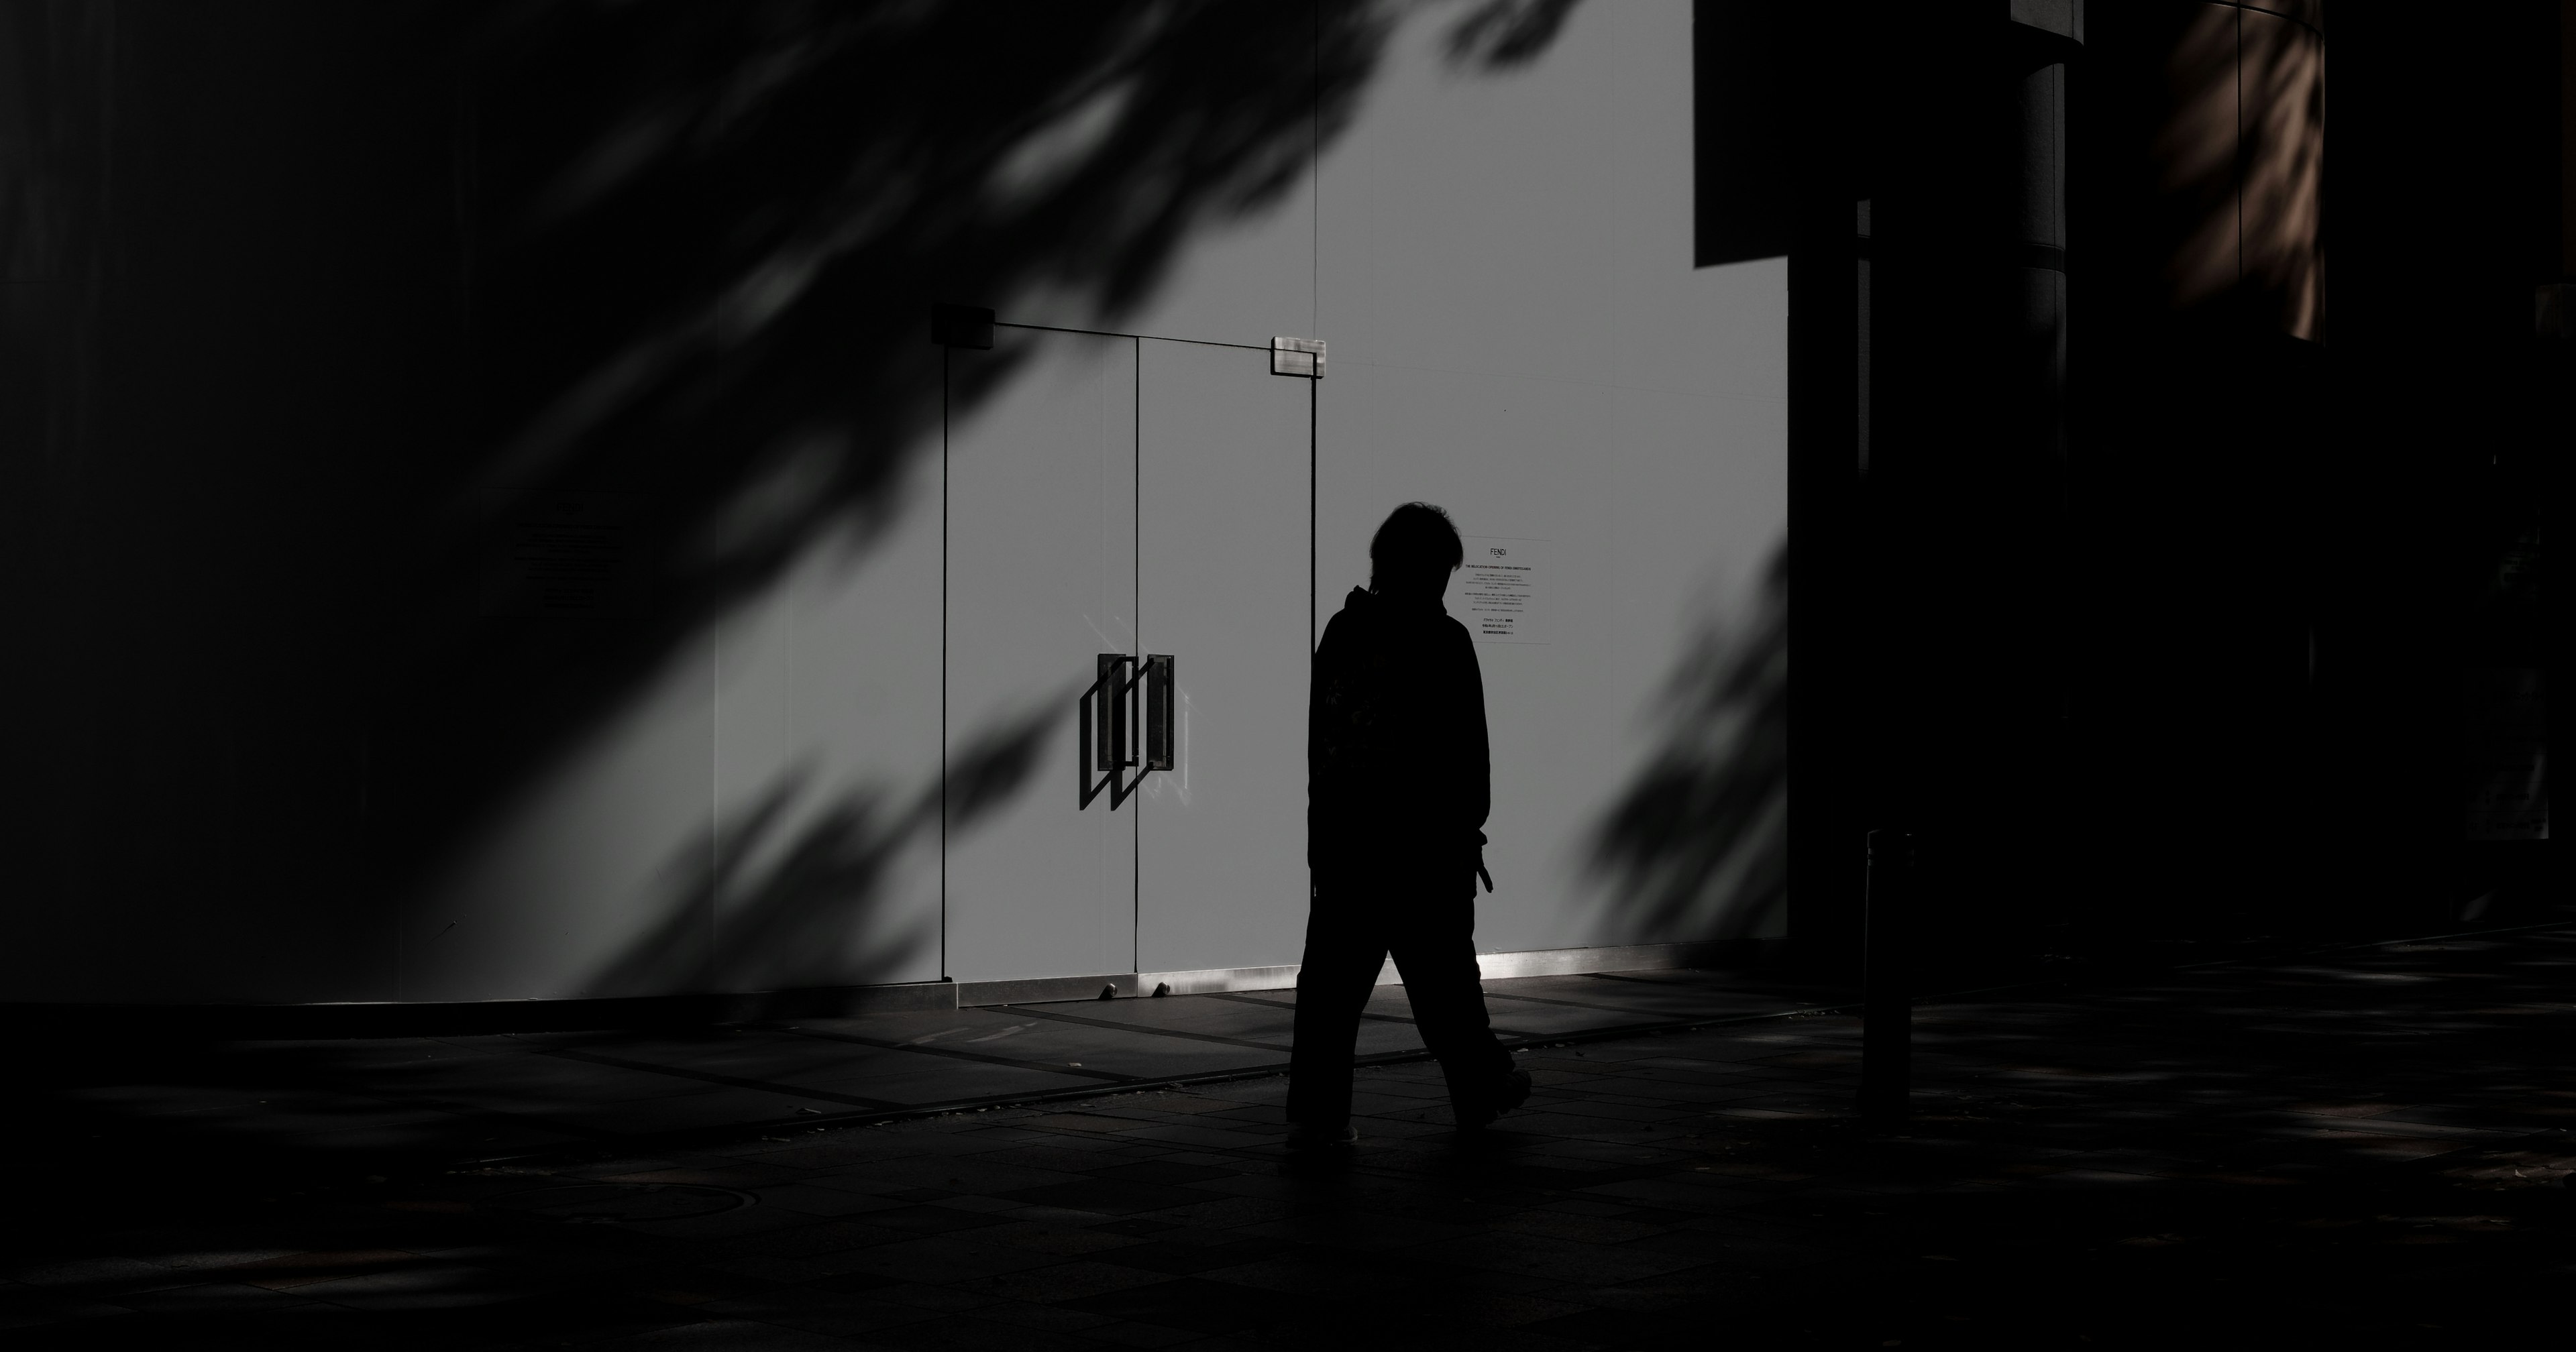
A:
[1481,873]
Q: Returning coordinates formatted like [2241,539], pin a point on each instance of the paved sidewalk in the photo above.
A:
[2357,1149]
[390,1102]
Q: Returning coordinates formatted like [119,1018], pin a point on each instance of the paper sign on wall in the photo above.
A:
[1500,592]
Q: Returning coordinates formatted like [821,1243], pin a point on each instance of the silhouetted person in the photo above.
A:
[1397,790]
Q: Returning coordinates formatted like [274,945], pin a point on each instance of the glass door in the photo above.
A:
[1041,580]
[1112,480]
[1224,558]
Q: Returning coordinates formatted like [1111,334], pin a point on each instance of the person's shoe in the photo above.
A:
[1509,1092]
[1303,1137]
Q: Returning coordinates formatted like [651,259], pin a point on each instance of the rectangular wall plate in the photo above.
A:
[1297,357]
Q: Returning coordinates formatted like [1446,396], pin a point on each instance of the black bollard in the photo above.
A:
[1887,1009]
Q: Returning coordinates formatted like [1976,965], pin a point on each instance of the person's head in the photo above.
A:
[1414,553]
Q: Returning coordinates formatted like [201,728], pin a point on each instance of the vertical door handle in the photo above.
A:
[1110,714]
[1158,711]
[1106,719]
[1100,726]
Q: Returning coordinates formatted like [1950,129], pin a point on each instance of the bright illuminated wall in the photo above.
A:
[249,499]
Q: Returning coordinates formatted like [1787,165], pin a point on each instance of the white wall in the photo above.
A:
[1517,334]
[1501,263]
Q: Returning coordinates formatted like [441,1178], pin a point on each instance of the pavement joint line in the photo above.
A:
[1625,1173]
[712,1077]
[1569,1004]
[985,1057]
[915,1112]
[1242,999]
[738,1131]
[2559,923]
[1142,1028]
[2111,976]
[1380,1018]
[471,1112]
[2428,1163]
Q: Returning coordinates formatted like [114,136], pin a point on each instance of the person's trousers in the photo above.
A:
[1349,934]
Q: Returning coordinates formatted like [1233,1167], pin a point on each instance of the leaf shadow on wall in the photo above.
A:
[703,244]
[783,890]
[1696,848]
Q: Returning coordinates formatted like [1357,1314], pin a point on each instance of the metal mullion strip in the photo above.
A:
[1136,628]
[944,352]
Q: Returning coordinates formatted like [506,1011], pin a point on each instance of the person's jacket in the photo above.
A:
[1398,774]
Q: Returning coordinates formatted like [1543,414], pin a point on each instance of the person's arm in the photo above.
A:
[1474,753]
[1480,757]
[1317,676]
[1327,748]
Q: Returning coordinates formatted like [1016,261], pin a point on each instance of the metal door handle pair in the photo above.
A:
[1106,717]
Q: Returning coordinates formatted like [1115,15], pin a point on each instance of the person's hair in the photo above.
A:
[1418,542]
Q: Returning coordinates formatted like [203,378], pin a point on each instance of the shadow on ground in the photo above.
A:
[2365,1149]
